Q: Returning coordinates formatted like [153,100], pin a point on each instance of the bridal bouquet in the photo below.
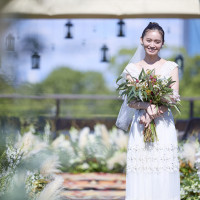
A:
[153,89]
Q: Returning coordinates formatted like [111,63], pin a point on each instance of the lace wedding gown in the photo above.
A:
[152,171]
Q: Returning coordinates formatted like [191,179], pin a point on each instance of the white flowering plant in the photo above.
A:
[24,154]
[35,183]
[92,150]
[9,160]
[190,182]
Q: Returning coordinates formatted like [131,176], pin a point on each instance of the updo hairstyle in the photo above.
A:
[154,26]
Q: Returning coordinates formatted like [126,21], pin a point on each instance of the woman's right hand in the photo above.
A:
[145,119]
[153,111]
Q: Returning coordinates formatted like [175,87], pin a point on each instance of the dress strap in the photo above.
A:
[169,68]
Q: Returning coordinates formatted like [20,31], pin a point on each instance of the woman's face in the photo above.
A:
[152,42]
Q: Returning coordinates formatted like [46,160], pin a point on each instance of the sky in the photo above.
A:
[83,51]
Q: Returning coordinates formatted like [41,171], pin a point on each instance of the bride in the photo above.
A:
[152,171]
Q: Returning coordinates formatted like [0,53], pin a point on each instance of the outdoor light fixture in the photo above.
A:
[121,32]
[104,49]
[10,43]
[69,25]
[35,61]
[180,61]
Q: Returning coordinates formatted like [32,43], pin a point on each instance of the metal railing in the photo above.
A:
[59,97]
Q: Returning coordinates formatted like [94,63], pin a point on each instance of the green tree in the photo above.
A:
[67,81]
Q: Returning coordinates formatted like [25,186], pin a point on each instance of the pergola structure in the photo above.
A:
[101,8]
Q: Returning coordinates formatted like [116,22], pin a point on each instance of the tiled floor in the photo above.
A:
[94,186]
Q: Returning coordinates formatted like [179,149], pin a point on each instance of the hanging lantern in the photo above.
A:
[121,31]
[35,61]
[10,43]
[180,61]
[68,25]
[104,49]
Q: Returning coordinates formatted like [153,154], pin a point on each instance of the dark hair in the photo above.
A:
[154,26]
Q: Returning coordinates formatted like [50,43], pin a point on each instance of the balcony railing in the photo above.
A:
[59,97]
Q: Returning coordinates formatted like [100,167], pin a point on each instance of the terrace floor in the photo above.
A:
[94,186]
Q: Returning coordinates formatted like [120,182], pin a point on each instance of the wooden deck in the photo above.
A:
[93,186]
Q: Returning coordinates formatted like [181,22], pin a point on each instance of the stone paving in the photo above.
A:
[101,186]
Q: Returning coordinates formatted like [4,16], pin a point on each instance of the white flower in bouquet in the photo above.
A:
[50,166]
[117,158]
[164,81]
[83,138]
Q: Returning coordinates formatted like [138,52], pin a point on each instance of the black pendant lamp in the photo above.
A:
[35,58]
[121,24]
[104,50]
[10,42]
[69,26]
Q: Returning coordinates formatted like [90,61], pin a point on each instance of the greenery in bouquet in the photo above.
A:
[149,87]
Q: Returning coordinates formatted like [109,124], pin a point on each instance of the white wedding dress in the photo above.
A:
[152,171]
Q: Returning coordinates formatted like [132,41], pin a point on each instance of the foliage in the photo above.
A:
[190,182]
[21,168]
[35,183]
[9,160]
[68,81]
[62,80]
[84,151]
[87,151]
